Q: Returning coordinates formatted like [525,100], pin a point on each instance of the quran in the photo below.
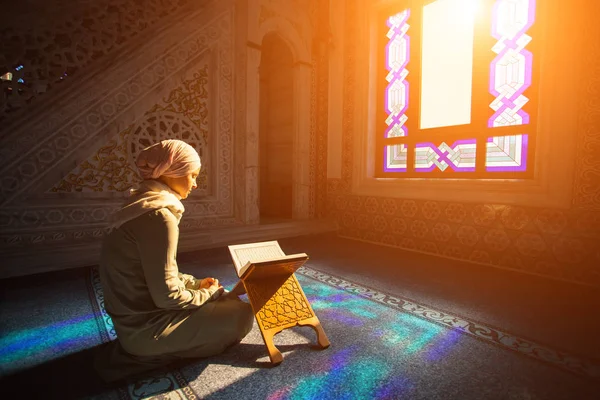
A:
[267,275]
[261,255]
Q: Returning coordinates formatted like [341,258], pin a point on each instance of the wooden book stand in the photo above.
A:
[267,276]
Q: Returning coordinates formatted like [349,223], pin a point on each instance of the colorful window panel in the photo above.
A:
[510,72]
[459,156]
[506,153]
[397,57]
[395,158]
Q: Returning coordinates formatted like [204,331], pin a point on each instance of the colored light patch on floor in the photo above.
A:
[442,345]
[29,347]
[407,333]
[350,375]
[325,298]
[404,332]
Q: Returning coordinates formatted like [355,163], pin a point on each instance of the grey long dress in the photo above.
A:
[159,314]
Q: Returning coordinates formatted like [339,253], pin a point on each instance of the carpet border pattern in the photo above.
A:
[472,328]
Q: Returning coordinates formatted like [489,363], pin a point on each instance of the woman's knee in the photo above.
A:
[243,317]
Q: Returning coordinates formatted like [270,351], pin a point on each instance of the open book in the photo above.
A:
[262,255]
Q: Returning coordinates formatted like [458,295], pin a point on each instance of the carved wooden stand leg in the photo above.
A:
[274,354]
[316,325]
[286,308]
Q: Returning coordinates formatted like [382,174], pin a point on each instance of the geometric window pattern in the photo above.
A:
[396,58]
[506,153]
[510,75]
[460,156]
[510,71]
[395,158]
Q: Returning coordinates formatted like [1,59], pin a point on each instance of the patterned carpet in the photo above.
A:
[383,347]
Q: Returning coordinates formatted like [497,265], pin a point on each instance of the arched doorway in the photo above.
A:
[276,130]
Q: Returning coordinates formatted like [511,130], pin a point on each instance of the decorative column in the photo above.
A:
[301,154]
[252,210]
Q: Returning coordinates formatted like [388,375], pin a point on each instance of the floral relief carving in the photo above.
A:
[452,251]
[380,223]
[398,226]
[496,240]
[341,202]
[62,135]
[389,206]
[428,247]
[83,121]
[467,235]
[431,210]
[408,243]
[51,50]
[419,229]
[441,232]
[267,13]
[569,250]
[587,224]
[483,214]
[355,204]
[530,244]
[389,240]
[184,116]
[551,221]
[348,219]
[514,218]
[480,256]
[455,212]
[363,221]
[586,191]
[409,208]
[372,205]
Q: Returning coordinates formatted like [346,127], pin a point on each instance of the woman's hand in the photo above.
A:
[209,283]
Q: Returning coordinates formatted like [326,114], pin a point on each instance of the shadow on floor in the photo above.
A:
[74,377]
[69,377]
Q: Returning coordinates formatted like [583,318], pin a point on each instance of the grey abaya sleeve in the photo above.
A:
[157,244]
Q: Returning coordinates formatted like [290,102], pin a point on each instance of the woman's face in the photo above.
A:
[184,184]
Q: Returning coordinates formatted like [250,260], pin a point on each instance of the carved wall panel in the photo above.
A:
[67,169]
[183,116]
[43,44]
[587,179]
[131,74]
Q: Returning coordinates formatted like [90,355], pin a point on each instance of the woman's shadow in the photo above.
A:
[74,377]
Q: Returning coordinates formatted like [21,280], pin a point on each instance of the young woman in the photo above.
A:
[161,315]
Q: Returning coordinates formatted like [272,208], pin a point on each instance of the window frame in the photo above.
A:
[551,184]
[481,98]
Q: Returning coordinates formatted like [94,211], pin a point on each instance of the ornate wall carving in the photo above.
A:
[587,178]
[320,104]
[67,169]
[46,43]
[183,116]
[134,74]
[559,243]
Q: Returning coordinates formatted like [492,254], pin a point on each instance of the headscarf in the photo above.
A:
[172,158]
[149,196]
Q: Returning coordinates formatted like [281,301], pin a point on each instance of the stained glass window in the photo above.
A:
[471,108]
